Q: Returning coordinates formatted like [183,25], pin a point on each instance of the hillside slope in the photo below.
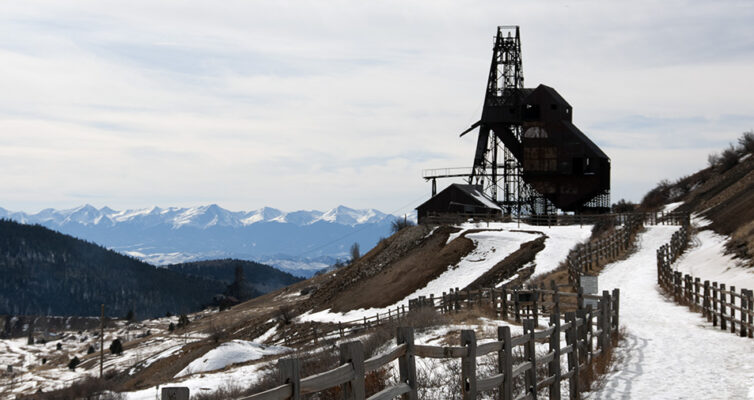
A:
[48,273]
[722,193]
[259,277]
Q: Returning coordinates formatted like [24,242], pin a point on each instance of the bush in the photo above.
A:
[116,347]
[746,141]
[657,196]
[355,253]
[171,327]
[624,206]
[90,350]
[728,158]
[73,363]
[399,224]
[713,160]
[183,321]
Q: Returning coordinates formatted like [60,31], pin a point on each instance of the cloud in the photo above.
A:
[313,104]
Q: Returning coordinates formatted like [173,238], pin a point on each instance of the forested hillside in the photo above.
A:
[49,273]
[259,277]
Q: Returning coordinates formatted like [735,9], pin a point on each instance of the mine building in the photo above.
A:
[459,202]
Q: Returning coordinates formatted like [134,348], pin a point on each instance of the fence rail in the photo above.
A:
[581,328]
[716,303]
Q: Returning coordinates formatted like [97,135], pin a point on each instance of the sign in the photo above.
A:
[590,285]
[175,393]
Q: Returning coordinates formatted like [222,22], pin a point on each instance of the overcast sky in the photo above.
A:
[308,105]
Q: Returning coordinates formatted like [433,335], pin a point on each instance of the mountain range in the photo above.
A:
[300,242]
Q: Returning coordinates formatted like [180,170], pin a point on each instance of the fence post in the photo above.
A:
[573,360]
[516,305]
[589,333]
[530,354]
[555,297]
[750,302]
[353,353]
[723,322]
[733,309]
[554,366]
[580,298]
[744,307]
[705,301]
[714,304]
[468,365]
[604,318]
[504,303]
[407,362]
[616,309]
[697,282]
[289,375]
[505,362]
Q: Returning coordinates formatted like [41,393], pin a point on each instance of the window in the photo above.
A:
[536,132]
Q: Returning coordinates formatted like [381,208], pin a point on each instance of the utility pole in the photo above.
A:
[101,340]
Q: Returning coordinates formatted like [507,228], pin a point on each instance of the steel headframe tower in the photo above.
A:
[505,79]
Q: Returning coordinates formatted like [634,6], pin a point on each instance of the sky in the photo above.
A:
[312,104]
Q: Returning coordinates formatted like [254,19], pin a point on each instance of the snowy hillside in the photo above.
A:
[300,242]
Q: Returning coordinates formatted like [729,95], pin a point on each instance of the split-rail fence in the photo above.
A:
[714,301]
[515,304]
[581,329]
[586,258]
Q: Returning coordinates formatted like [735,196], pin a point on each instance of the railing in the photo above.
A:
[446,172]
[713,301]
[580,330]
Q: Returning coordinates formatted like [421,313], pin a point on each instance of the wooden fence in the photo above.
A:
[581,328]
[584,259]
[718,304]
[516,304]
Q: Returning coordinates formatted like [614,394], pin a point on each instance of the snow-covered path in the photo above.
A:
[670,353]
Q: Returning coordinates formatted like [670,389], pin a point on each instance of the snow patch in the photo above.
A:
[236,351]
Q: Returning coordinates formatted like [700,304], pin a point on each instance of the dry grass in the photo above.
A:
[88,388]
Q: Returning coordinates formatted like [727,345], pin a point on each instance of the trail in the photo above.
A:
[670,352]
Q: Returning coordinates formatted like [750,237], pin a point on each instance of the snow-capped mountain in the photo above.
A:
[198,217]
[298,241]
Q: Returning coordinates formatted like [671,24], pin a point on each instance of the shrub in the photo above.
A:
[171,327]
[183,321]
[73,363]
[746,141]
[657,196]
[90,350]
[399,224]
[728,158]
[116,347]
[624,206]
[355,253]
[713,160]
